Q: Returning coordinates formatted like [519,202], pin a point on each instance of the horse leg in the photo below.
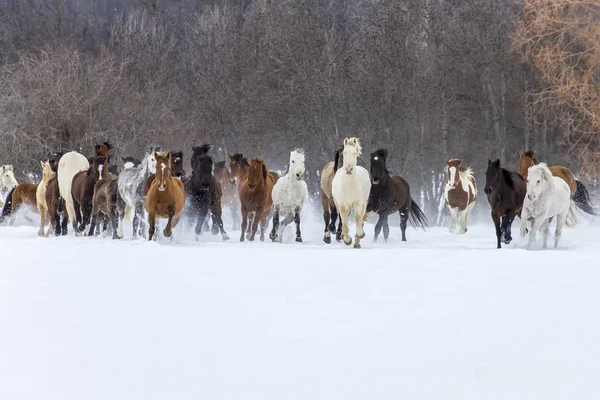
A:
[360,233]
[535,226]
[86,216]
[264,223]
[200,221]
[452,227]
[235,218]
[326,218]
[338,234]
[244,223]
[345,214]
[120,209]
[506,226]
[465,218]
[151,223]
[255,220]
[77,212]
[251,217]
[386,227]
[168,231]
[218,222]
[560,223]
[545,228]
[273,234]
[297,221]
[496,220]
[378,227]
[65,221]
[42,211]
[114,219]
[403,220]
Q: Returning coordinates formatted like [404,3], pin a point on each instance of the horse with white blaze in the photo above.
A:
[289,195]
[547,196]
[350,189]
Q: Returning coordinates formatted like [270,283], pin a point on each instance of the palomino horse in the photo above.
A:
[547,197]
[460,193]
[230,198]
[350,189]
[82,191]
[7,182]
[204,192]
[390,194]
[579,192]
[505,192]
[131,196]
[289,195]
[69,165]
[104,204]
[330,214]
[40,195]
[255,198]
[165,198]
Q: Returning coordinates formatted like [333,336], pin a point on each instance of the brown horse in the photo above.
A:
[102,150]
[255,197]
[82,191]
[24,193]
[239,167]
[176,170]
[330,214]
[54,211]
[230,197]
[579,192]
[104,203]
[460,193]
[165,198]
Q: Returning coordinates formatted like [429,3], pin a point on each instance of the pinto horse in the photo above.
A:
[505,192]
[389,194]
[330,214]
[255,198]
[460,193]
[165,198]
[579,192]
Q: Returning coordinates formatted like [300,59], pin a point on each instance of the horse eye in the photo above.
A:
[539,181]
[293,161]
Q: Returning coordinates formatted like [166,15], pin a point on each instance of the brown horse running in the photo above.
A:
[255,198]
[104,203]
[165,198]
[24,193]
[330,214]
[54,211]
[82,191]
[176,170]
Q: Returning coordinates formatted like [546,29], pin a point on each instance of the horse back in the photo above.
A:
[565,174]
[327,174]
[401,192]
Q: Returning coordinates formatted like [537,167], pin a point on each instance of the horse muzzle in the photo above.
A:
[251,187]
[349,171]
[162,188]
[233,181]
[298,177]
[530,197]
[487,191]
[375,181]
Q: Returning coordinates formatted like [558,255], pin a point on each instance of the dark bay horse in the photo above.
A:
[390,194]
[330,213]
[82,190]
[204,192]
[505,191]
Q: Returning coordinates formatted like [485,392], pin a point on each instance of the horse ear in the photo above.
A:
[497,162]
[42,164]
[264,171]
[156,155]
[168,156]
[346,140]
[230,157]
[124,160]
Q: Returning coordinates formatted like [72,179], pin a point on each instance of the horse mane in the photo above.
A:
[240,158]
[354,142]
[547,174]
[530,154]
[508,177]
[336,159]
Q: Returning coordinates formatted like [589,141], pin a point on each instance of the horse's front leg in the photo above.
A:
[452,227]
[535,226]
[168,231]
[345,214]
[218,222]
[297,221]
[244,223]
[139,213]
[151,224]
[273,234]
[255,221]
[506,226]
[524,220]
[251,218]
[465,218]
[42,211]
[378,227]
[360,233]
[545,228]
[338,233]
[264,222]
[496,220]
[326,218]
[386,227]
[202,212]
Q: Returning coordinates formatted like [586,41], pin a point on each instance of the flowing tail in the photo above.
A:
[416,216]
[571,220]
[582,199]
[6,210]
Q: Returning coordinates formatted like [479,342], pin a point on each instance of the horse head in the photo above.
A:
[98,164]
[102,149]
[163,169]
[238,166]
[257,173]
[492,176]
[352,150]
[539,177]
[7,177]
[47,172]
[526,159]
[296,166]
[149,161]
[130,162]
[378,166]
[202,167]
[453,169]
[54,159]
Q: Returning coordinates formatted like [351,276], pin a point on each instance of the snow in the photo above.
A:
[437,317]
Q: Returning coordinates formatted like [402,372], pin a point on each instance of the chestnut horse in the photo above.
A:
[176,170]
[579,192]
[255,197]
[330,213]
[24,193]
[54,211]
[460,193]
[82,190]
[165,198]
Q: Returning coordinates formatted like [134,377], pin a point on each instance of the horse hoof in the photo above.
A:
[347,242]
[361,236]
[225,237]
[357,246]
[327,240]
[41,233]
[272,236]
[242,239]
[299,239]
[167,234]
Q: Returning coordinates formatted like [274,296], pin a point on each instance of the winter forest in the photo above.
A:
[427,79]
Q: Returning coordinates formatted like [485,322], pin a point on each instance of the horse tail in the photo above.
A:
[128,209]
[571,219]
[582,199]
[416,216]
[7,209]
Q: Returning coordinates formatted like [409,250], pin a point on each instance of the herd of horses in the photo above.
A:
[97,199]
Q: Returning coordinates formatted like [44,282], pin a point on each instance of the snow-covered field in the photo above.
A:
[438,317]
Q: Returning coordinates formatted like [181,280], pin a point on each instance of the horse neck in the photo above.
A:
[46,177]
[524,170]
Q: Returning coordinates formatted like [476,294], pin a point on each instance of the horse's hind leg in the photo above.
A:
[496,220]
[273,234]
[560,222]
[403,220]
[378,227]
[326,218]
[297,221]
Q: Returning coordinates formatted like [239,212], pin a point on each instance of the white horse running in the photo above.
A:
[547,196]
[7,182]
[131,183]
[350,189]
[68,166]
[289,195]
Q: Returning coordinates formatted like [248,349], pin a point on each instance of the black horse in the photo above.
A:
[390,194]
[505,191]
[204,192]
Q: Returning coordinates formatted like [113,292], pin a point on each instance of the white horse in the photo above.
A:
[7,182]
[289,195]
[350,189]
[131,182]
[68,166]
[547,196]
